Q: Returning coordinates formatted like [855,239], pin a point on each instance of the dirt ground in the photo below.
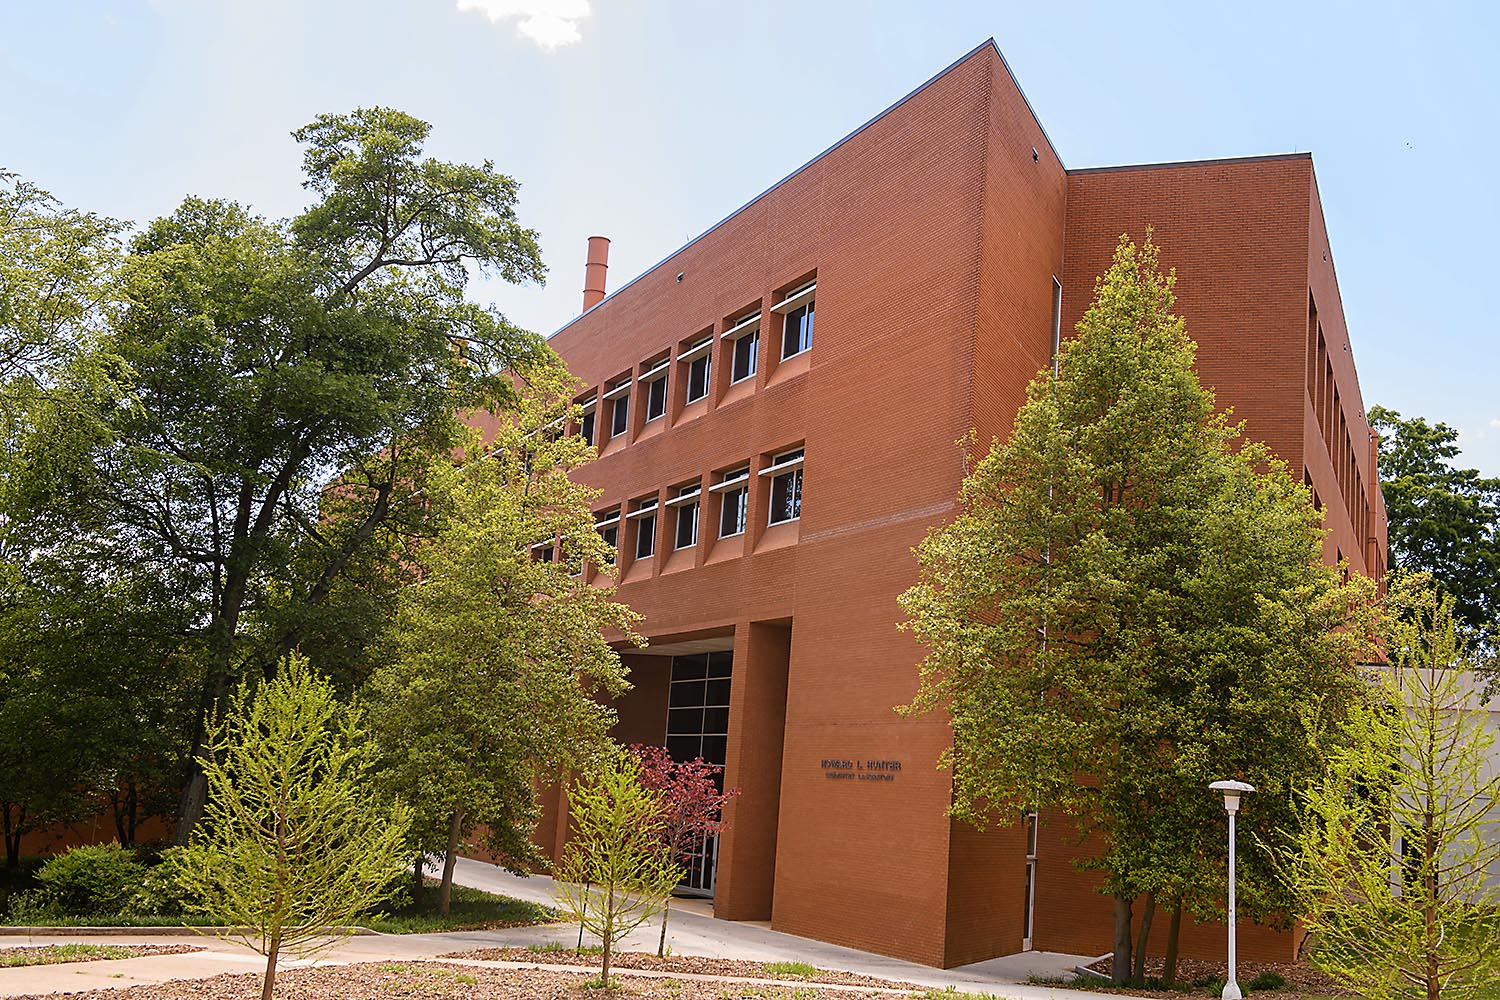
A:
[1302,981]
[675,963]
[441,981]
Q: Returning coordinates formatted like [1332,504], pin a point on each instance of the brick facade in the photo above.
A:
[935,234]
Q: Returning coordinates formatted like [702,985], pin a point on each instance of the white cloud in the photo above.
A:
[1495,423]
[549,23]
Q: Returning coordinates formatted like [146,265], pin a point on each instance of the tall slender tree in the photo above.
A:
[1396,856]
[1132,593]
[499,660]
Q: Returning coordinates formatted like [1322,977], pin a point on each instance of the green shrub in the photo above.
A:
[161,892]
[1267,980]
[90,880]
[33,908]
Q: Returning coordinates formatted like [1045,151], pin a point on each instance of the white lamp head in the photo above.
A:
[1232,791]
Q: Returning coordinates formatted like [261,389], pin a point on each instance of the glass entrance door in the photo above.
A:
[698,726]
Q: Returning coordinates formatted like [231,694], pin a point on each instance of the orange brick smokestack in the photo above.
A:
[594,271]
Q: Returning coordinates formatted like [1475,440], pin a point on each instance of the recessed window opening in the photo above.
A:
[618,395]
[645,528]
[656,390]
[797,325]
[699,359]
[586,421]
[686,503]
[542,552]
[607,524]
[786,487]
[735,490]
[1056,323]
[745,334]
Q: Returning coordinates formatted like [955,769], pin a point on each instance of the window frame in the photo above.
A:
[655,379]
[735,483]
[787,465]
[688,498]
[746,328]
[643,515]
[700,353]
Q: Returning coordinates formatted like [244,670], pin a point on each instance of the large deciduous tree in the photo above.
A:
[290,381]
[1444,520]
[498,662]
[1129,605]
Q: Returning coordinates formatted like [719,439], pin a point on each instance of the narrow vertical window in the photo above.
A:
[586,421]
[686,504]
[607,524]
[1056,323]
[734,488]
[644,517]
[786,487]
[618,396]
[744,333]
[699,361]
[655,378]
[797,320]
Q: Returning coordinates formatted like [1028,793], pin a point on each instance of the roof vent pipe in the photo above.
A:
[594,271]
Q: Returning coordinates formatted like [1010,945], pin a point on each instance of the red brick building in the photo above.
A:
[765,486]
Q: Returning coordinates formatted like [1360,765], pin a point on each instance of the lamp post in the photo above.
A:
[1232,791]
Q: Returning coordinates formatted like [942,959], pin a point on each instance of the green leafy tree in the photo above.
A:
[1131,594]
[499,663]
[614,875]
[1397,857]
[289,382]
[295,846]
[1443,520]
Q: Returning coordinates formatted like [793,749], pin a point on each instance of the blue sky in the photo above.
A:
[649,120]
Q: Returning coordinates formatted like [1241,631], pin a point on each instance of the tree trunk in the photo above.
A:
[270,981]
[124,802]
[12,832]
[1145,935]
[582,912]
[607,937]
[195,792]
[1119,966]
[418,882]
[661,945]
[450,859]
[1174,930]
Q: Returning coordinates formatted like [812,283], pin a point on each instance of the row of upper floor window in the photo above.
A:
[717,363]
[730,504]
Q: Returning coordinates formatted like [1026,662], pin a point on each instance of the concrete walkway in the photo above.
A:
[692,930]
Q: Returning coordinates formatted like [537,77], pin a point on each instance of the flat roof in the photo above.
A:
[1170,164]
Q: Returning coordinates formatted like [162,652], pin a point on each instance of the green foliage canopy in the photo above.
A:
[1130,604]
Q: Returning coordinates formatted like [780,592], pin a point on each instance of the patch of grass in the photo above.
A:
[1267,980]
[470,910]
[55,954]
[780,969]
[547,948]
[952,994]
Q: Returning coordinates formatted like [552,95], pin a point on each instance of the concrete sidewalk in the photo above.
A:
[692,930]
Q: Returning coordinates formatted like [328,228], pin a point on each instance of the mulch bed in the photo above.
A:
[434,981]
[50,954]
[1301,980]
[689,964]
